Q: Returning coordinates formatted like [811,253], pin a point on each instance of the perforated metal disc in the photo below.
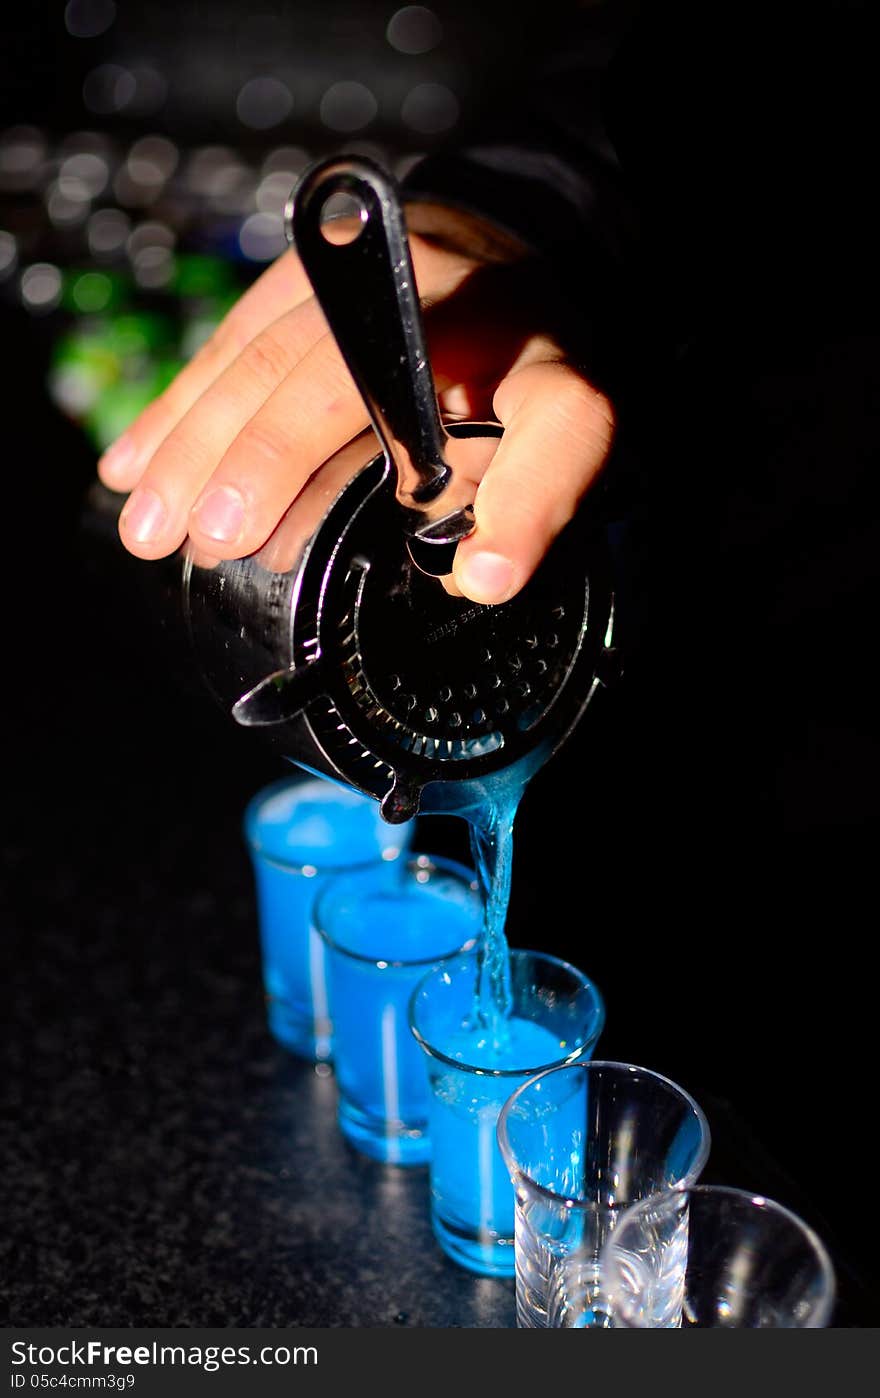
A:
[418,686]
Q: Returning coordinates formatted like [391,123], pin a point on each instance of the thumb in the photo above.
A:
[558,432]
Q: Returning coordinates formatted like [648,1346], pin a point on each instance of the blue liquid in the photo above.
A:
[499,1032]
[492,847]
[383,936]
[298,831]
[473,1205]
[490,806]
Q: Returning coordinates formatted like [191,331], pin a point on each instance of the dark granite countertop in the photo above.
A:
[171,1165]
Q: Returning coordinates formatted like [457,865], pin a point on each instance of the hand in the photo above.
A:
[228,446]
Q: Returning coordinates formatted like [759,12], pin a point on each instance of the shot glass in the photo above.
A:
[298,831]
[582,1143]
[557,1016]
[712,1257]
[382,930]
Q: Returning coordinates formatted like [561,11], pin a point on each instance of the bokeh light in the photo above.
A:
[150,91]
[429,109]
[263,103]
[150,248]
[294,158]
[41,287]
[153,267]
[86,19]
[67,201]
[414,29]
[212,170]
[273,191]
[152,160]
[8,254]
[108,89]
[91,170]
[107,232]
[150,234]
[22,152]
[348,106]
[91,292]
[261,237]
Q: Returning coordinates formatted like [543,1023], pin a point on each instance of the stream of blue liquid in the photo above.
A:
[472,1197]
[492,849]
[490,811]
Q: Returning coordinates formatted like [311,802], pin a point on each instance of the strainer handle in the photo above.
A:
[366,289]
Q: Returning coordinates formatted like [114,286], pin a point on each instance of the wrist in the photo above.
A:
[461,231]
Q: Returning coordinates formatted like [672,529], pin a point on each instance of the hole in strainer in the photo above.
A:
[342,218]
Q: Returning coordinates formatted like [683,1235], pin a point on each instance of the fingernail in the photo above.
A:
[220,514]
[487,577]
[144,515]
[117,460]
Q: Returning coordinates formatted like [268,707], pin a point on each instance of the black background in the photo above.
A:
[705,847]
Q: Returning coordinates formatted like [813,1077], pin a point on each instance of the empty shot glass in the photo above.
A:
[582,1143]
[716,1258]
[298,831]
[382,930]
[556,1016]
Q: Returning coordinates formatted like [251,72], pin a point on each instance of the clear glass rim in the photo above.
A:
[322,871]
[514,1166]
[820,1312]
[449,866]
[299,866]
[567,1061]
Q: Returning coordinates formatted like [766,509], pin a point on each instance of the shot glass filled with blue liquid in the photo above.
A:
[383,928]
[556,1017]
[300,831]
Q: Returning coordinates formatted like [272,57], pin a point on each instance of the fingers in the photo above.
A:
[267,443]
[314,411]
[171,453]
[232,456]
[225,450]
[282,287]
[155,518]
[558,431]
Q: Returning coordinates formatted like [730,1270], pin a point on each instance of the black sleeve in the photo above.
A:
[722,153]
[538,161]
